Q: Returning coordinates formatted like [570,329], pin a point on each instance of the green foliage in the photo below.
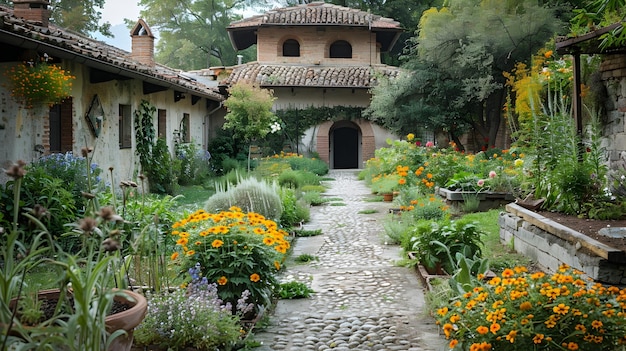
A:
[467,273]
[145,134]
[192,317]
[438,243]
[194,164]
[185,42]
[302,233]
[289,179]
[249,114]
[305,258]
[251,195]
[80,16]
[294,211]
[294,290]
[397,229]
[161,177]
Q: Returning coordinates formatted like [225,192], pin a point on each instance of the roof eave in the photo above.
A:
[56,51]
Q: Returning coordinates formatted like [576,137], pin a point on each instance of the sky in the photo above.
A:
[114,12]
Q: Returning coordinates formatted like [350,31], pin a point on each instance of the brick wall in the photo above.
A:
[314,45]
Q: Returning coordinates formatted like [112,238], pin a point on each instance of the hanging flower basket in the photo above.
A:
[33,83]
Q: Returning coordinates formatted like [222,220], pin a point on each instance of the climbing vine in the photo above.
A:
[144,132]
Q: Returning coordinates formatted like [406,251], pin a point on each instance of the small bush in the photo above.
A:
[294,290]
[251,195]
[289,179]
[305,258]
[316,166]
[301,233]
[315,188]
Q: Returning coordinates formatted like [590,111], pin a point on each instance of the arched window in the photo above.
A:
[291,48]
[341,49]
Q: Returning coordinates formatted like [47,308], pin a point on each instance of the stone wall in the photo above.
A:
[550,245]
[613,73]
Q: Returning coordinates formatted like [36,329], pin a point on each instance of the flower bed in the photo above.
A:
[552,244]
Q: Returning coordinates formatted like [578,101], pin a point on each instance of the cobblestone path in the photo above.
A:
[362,301]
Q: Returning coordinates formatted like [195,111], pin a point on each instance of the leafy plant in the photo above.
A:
[438,243]
[306,232]
[305,258]
[237,250]
[294,290]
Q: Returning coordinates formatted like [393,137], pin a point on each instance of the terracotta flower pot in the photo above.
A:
[388,197]
[126,320]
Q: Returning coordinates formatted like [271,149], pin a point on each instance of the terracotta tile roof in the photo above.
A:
[318,13]
[310,76]
[61,43]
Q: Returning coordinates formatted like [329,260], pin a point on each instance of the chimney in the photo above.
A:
[32,10]
[142,43]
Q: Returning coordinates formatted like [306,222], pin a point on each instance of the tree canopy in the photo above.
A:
[82,16]
[457,62]
[192,33]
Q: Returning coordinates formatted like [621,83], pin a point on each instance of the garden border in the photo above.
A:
[551,244]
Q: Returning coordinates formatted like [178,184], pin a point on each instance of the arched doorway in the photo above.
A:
[345,145]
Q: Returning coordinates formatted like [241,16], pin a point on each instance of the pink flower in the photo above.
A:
[492,174]
[430,144]
[481,182]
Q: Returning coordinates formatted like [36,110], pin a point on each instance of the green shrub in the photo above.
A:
[437,243]
[289,179]
[316,188]
[313,165]
[161,177]
[194,164]
[313,198]
[294,290]
[302,233]
[251,195]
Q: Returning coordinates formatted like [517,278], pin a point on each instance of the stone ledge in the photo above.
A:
[607,252]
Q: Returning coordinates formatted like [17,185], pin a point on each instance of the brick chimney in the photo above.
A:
[142,43]
[32,10]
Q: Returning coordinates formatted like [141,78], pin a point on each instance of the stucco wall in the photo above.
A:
[314,44]
[21,129]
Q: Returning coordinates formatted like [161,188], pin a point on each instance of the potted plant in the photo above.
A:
[385,185]
[39,82]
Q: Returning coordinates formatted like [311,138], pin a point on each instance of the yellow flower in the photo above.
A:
[410,136]
[453,343]
[222,280]
[190,253]
[255,277]
[511,336]
[442,311]
[277,265]
[560,309]
[538,338]
[596,324]
[217,243]
[494,328]
[525,306]
[174,256]
[182,241]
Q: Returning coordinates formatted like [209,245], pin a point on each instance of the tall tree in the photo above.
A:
[193,32]
[82,16]
[473,42]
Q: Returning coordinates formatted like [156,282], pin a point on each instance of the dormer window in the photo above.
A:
[340,49]
[291,48]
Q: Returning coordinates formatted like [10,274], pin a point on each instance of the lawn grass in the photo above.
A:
[500,256]
[194,195]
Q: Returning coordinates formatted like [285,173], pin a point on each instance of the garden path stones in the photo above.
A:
[362,301]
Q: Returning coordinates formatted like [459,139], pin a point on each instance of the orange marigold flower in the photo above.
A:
[494,328]
[174,256]
[560,309]
[538,338]
[572,346]
[222,280]
[507,273]
[596,324]
[482,330]
[255,277]
[453,343]
[511,336]
[525,306]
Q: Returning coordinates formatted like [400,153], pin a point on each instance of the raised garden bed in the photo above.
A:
[488,199]
[552,244]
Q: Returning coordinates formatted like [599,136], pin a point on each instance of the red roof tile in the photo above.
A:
[310,76]
[93,53]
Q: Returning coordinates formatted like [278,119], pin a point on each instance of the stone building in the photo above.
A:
[320,55]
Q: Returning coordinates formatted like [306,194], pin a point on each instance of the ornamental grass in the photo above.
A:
[39,83]
[238,251]
[522,311]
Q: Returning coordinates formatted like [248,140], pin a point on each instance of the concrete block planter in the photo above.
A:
[488,199]
[551,244]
